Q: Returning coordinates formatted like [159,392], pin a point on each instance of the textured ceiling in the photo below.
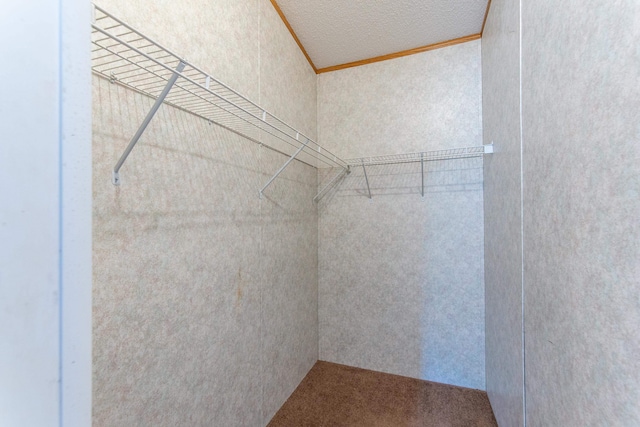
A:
[335,32]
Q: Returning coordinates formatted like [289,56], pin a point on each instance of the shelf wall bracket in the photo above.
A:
[331,183]
[422,172]
[366,178]
[293,156]
[116,170]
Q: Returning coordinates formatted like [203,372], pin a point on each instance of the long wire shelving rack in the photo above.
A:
[127,57]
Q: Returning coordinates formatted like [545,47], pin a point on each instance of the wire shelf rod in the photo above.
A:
[424,156]
[327,161]
[420,157]
[210,119]
[293,156]
[331,183]
[366,178]
[145,123]
[132,30]
[125,56]
[221,98]
[219,84]
[422,173]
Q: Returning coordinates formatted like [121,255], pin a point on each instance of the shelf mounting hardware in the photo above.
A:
[293,156]
[422,172]
[366,178]
[154,109]
[128,58]
[331,183]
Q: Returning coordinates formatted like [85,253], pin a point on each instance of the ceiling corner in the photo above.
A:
[293,34]
[486,15]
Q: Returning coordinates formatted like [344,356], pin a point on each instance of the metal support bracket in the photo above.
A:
[331,183]
[422,172]
[366,178]
[284,166]
[116,170]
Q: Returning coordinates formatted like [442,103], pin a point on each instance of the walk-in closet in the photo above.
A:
[296,213]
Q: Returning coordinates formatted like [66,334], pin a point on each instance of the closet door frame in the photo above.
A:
[45,214]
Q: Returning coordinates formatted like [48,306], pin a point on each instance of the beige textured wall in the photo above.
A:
[428,101]
[502,212]
[579,179]
[579,176]
[401,285]
[581,146]
[205,296]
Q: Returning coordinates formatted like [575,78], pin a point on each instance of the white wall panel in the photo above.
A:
[205,300]
[401,276]
[45,215]
[581,68]
[502,212]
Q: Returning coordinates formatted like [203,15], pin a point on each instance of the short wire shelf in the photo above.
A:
[127,57]
[422,157]
[454,153]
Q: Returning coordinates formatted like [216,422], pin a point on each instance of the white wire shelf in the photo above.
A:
[422,157]
[127,57]
[427,156]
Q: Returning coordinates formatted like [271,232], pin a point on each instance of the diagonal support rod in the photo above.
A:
[422,171]
[366,178]
[145,122]
[284,166]
[335,179]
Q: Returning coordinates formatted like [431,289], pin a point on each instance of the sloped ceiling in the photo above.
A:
[336,32]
